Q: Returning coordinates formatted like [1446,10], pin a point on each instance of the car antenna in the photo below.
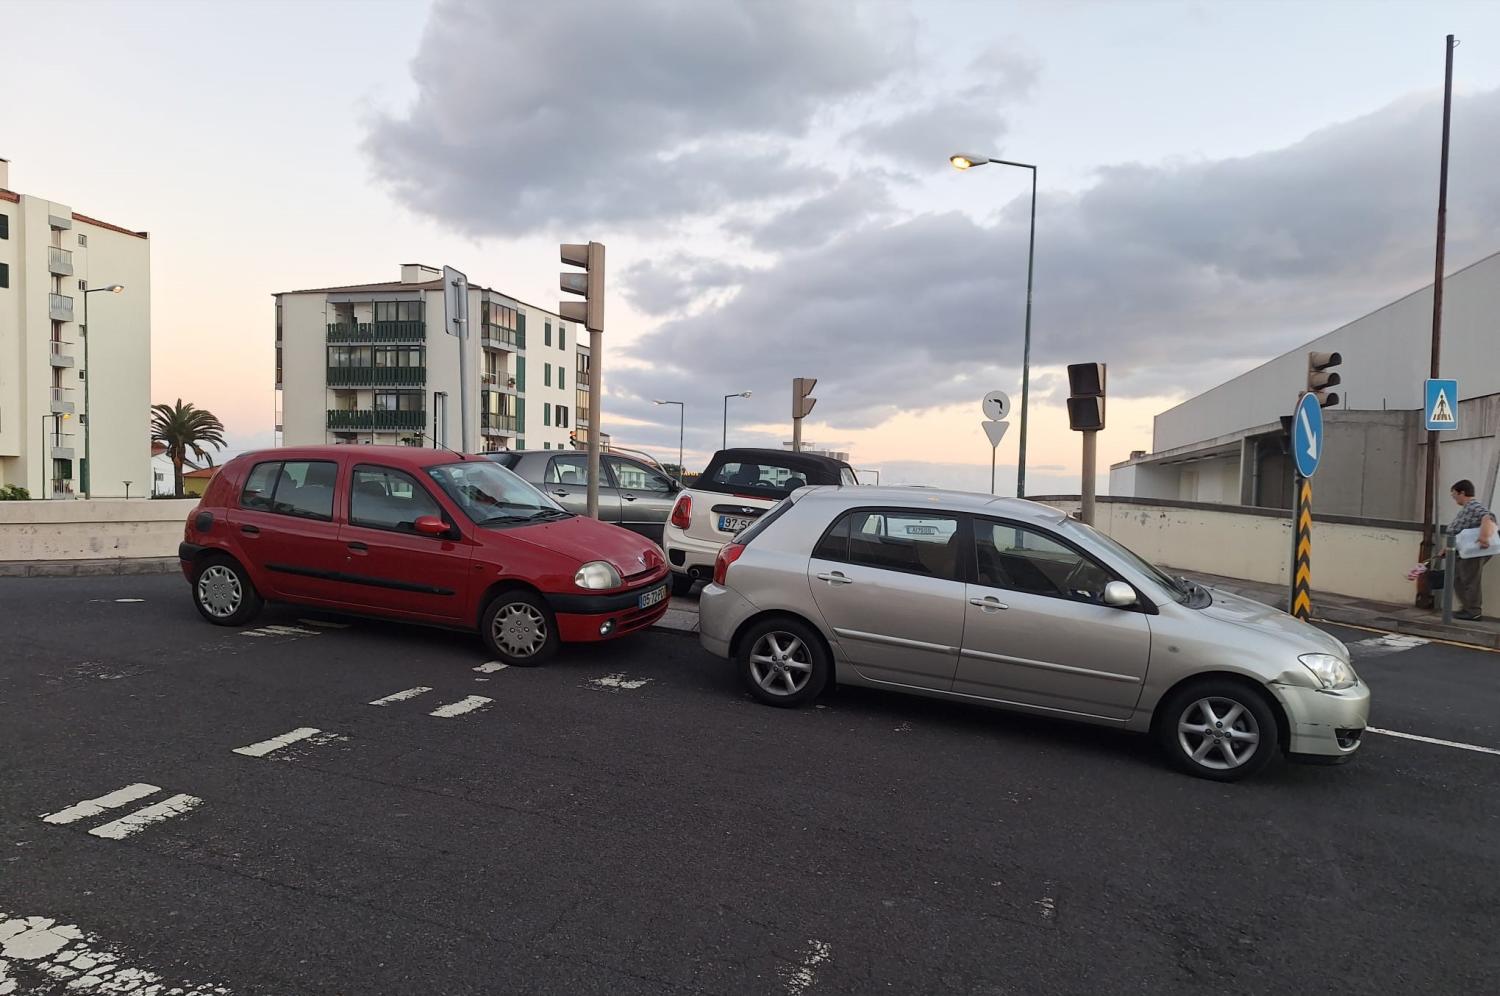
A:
[445,446]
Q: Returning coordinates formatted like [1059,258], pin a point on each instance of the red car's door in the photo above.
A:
[390,568]
[284,525]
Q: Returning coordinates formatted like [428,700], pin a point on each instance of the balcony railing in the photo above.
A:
[61,353]
[496,425]
[60,307]
[59,261]
[502,382]
[495,337]
[60,446]
[62,488]
[62,400]
[377,331]
[355,419]
[375,376]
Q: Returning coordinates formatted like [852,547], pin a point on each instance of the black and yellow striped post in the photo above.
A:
[1302,552]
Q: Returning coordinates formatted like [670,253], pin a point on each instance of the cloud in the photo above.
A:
[660,287]
[529,115]
[815,221]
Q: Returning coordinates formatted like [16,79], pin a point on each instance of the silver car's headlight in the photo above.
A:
[1331,671]
[597,575]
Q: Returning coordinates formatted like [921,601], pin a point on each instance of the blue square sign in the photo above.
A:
[1441,406]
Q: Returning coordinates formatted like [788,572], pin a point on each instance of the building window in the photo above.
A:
[547,333]
[562,337]
[83,285]
[547,374]
[4,226]
[562,377]
[398,311]
[546,446]
[562,417]
[546,413]
[83,240]
[4,273]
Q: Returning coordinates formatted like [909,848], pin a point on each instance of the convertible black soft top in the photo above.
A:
[778,471]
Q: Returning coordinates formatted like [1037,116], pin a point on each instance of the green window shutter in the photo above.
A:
[547,333]
[520,443]
[521,329]
[562,338]
[562,377]
[547,374]
[521,374]
[546,413]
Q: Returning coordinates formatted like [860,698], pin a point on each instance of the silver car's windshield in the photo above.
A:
[491,495]
[1170,586]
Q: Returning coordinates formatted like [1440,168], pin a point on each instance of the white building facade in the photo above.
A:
[64,434]
[373,363]
[1226,445]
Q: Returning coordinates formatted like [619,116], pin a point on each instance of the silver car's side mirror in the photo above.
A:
[1119,594]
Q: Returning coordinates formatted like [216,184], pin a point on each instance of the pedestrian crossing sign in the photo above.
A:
[1442,404]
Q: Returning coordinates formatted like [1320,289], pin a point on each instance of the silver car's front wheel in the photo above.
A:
[1219,728]
[1218,733]
[780,663]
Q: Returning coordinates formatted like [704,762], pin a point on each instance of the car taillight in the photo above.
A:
[728,554]
[682,512]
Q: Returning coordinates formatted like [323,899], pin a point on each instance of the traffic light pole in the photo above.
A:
[596,395]
[1090,451]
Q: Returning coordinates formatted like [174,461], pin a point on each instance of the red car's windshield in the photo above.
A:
[489,494]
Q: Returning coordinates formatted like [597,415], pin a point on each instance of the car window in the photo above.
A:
[774,479]
[1029,560]
[847,478]
[571,469]
[638,477]
[381,498]
[305,488]
[260,486]
[896,540]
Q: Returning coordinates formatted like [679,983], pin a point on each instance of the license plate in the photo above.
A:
[733,523]
[653,597]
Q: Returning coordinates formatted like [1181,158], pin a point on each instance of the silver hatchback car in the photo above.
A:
[1012,604]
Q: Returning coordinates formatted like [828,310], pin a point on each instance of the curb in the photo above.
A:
[88,568]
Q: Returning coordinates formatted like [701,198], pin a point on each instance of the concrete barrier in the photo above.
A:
[1362,558]
[91,530]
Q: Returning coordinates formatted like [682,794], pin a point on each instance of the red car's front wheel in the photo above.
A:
[519,628]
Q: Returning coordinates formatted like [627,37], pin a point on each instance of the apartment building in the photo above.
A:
[62,436]
[373,363]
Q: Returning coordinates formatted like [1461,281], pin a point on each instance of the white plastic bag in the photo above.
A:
[1467,544]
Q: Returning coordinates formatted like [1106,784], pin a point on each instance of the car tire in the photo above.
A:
[223,592]
[1218,728]
[783,662]
[519,628]
[682,584]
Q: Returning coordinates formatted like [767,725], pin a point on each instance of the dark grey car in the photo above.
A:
[632,493]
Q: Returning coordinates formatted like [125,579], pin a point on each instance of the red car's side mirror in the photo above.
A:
[430,525]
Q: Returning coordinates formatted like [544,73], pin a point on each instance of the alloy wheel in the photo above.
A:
[780,663]
[220,591]
[520,629]
[1218,733]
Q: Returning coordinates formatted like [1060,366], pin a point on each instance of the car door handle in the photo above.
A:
[989,603]
[560,494]
[628,497]
[358,547]
[250,530]
[835,578]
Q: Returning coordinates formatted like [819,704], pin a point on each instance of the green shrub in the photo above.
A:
[14,492]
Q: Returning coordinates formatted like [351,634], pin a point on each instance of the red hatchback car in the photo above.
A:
[417,534]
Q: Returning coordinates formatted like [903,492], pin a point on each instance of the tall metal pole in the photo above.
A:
[1026,348]
[87,469]
[1424,593]
[681,428]
[465,392]
[1090,449]
[596,415]
[724,442]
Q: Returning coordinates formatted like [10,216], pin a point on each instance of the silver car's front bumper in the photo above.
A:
[721,612]
[1324,723]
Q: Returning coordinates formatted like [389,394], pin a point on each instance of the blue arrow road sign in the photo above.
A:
[1307,435]
[1442,404]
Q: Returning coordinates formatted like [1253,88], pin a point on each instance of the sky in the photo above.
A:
[1217,183]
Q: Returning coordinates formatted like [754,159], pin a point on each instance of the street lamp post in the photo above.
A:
[88,377]
[963,162]
[681,425]
[738,394]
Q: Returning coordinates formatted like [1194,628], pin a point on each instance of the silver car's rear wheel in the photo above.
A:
[780,663]
[1218,733]
[783,660]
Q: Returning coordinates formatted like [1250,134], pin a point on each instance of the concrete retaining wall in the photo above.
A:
[1360,558]
[91,530]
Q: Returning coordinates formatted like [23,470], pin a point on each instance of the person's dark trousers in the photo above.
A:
[1466,585]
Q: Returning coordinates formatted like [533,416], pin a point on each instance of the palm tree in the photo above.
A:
[183,427]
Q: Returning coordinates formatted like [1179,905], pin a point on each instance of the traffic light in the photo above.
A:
[1086,396]
[1319,378]
[589,285]
[802,399]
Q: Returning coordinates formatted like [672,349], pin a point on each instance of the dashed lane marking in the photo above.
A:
[280,631]
[308,733]
[129,601]
[491,667]
[37,951]
[93,807]
[402,696]
[1433,740]
[139,820]
[464,705]
[799,979]
[618,682]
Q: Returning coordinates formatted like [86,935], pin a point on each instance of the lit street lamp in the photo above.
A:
[88,377]
[965,161]
[681,424]
[741,394]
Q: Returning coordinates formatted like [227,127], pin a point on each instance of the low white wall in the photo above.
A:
[91,530]
[1363,561]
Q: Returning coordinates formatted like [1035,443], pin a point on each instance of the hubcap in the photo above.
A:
[780,664]
[1218,733]
[520,629]
[220,592]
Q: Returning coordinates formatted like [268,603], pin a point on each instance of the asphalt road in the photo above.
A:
[627,820]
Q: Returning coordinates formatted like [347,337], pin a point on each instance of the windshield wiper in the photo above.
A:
[505,518]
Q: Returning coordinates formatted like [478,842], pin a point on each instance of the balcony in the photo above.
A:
[377,331]
[62,400]
[61,354]
[60,307]
[502,382]
[376,376]
[60,446]
[62,488]
[496,425]
[59,261]
[358,419]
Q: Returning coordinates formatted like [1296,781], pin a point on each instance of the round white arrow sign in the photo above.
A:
[996,405]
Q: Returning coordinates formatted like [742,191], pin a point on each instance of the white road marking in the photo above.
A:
[402,696]
[798,980]
[139,820]
[460,707]
[93,807]
[1048,906]
[323,624]
[280,631]
[276,743]
[618,682]
[126,601]
[491,667]
[1433,740]
[38,951]
[1378,646]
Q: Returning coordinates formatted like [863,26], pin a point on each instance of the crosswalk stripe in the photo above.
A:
[491,667]
[402,696]
[139,820]
[93,807]
[460,707]
[276,743]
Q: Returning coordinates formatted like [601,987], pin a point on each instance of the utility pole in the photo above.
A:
[1429,526]
[456,306]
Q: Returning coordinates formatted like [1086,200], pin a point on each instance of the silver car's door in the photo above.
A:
[888,583]
[646,496]
[567,480]
[1038,633]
